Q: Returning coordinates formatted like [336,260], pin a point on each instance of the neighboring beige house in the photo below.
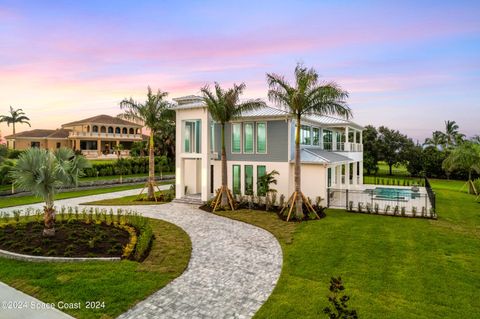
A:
[96,136]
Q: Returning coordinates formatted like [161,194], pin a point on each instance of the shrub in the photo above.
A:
[339,302]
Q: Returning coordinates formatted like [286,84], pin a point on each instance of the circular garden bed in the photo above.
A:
[86,234]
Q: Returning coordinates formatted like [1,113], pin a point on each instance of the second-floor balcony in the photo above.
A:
[343,147]
[119,136]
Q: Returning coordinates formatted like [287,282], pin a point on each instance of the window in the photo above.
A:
[329,177]
[35,144]
[327,140]
[261,138]
[103,129]
[305,135]
[191,138]
[95,129]
[59,145]
[117,130]
[124,130]
[316,136]
[110,129]
[236,138]
[261,171]
[248,138]
[249,179]
[236,179]
[131,131]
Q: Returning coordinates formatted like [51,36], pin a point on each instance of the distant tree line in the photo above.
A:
[447,154]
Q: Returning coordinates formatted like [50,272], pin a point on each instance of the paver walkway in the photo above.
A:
[233,267]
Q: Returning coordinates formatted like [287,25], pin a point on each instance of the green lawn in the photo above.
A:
[30,199]
[108,178]
[119,284]
[391,267]
[126,200]
[400,170]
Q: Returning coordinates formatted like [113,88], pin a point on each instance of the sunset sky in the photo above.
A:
[409,65]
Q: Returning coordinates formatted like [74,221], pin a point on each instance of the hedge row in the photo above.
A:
[127,167]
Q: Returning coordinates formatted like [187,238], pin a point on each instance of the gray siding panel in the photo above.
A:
[277,143]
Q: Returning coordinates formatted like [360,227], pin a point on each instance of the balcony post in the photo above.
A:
[99,147]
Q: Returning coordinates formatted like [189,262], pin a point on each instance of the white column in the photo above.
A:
[321,138]
[179,161]
[361,173]
[355,173]
[347,174]
[206,132]
[346,146]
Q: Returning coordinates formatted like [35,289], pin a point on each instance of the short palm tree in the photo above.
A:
[466,157]
[15,116]
[225,106]
[44,172]
[153,113]
[307,96]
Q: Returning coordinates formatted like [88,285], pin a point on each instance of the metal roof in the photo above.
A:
[319,156]
[265,111]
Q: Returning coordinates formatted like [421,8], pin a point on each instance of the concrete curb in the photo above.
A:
[11,255]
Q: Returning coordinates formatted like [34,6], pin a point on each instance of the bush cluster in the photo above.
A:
[138,165]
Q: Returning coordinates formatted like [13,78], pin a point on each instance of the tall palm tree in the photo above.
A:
[153,113]
[224,106]
[451,135]
[465,157]
[15,116]
[43,172]
[306,96]
[437,139]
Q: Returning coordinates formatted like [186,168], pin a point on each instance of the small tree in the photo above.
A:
[340,309]
[264,182]
[153,113]
[43,173]
[466,157]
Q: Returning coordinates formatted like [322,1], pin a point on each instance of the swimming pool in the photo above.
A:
[388,193]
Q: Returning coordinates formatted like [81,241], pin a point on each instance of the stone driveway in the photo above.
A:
[233,267]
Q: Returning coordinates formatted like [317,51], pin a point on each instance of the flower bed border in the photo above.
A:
[17,256]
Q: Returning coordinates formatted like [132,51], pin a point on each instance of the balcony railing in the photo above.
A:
[343,147]
[105,135]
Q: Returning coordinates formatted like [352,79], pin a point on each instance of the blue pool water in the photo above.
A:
[393,193]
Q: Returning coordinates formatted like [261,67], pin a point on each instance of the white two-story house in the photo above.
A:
[261,141]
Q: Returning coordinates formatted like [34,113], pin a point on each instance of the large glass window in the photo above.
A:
[327,139]
[236,137]
[248,179]
[261,138]
[191,137]
[316,136]
[248,138]
[236,179]
[261,171]
[305,138]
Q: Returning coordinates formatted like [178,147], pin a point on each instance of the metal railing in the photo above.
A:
[108,135]
[405,202]
[431,195]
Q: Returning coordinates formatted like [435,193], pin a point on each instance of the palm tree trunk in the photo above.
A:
[151,169]
[224,194]
[14,139]
[299,202]
[49,218]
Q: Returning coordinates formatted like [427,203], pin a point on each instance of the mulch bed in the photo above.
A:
[72,239]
